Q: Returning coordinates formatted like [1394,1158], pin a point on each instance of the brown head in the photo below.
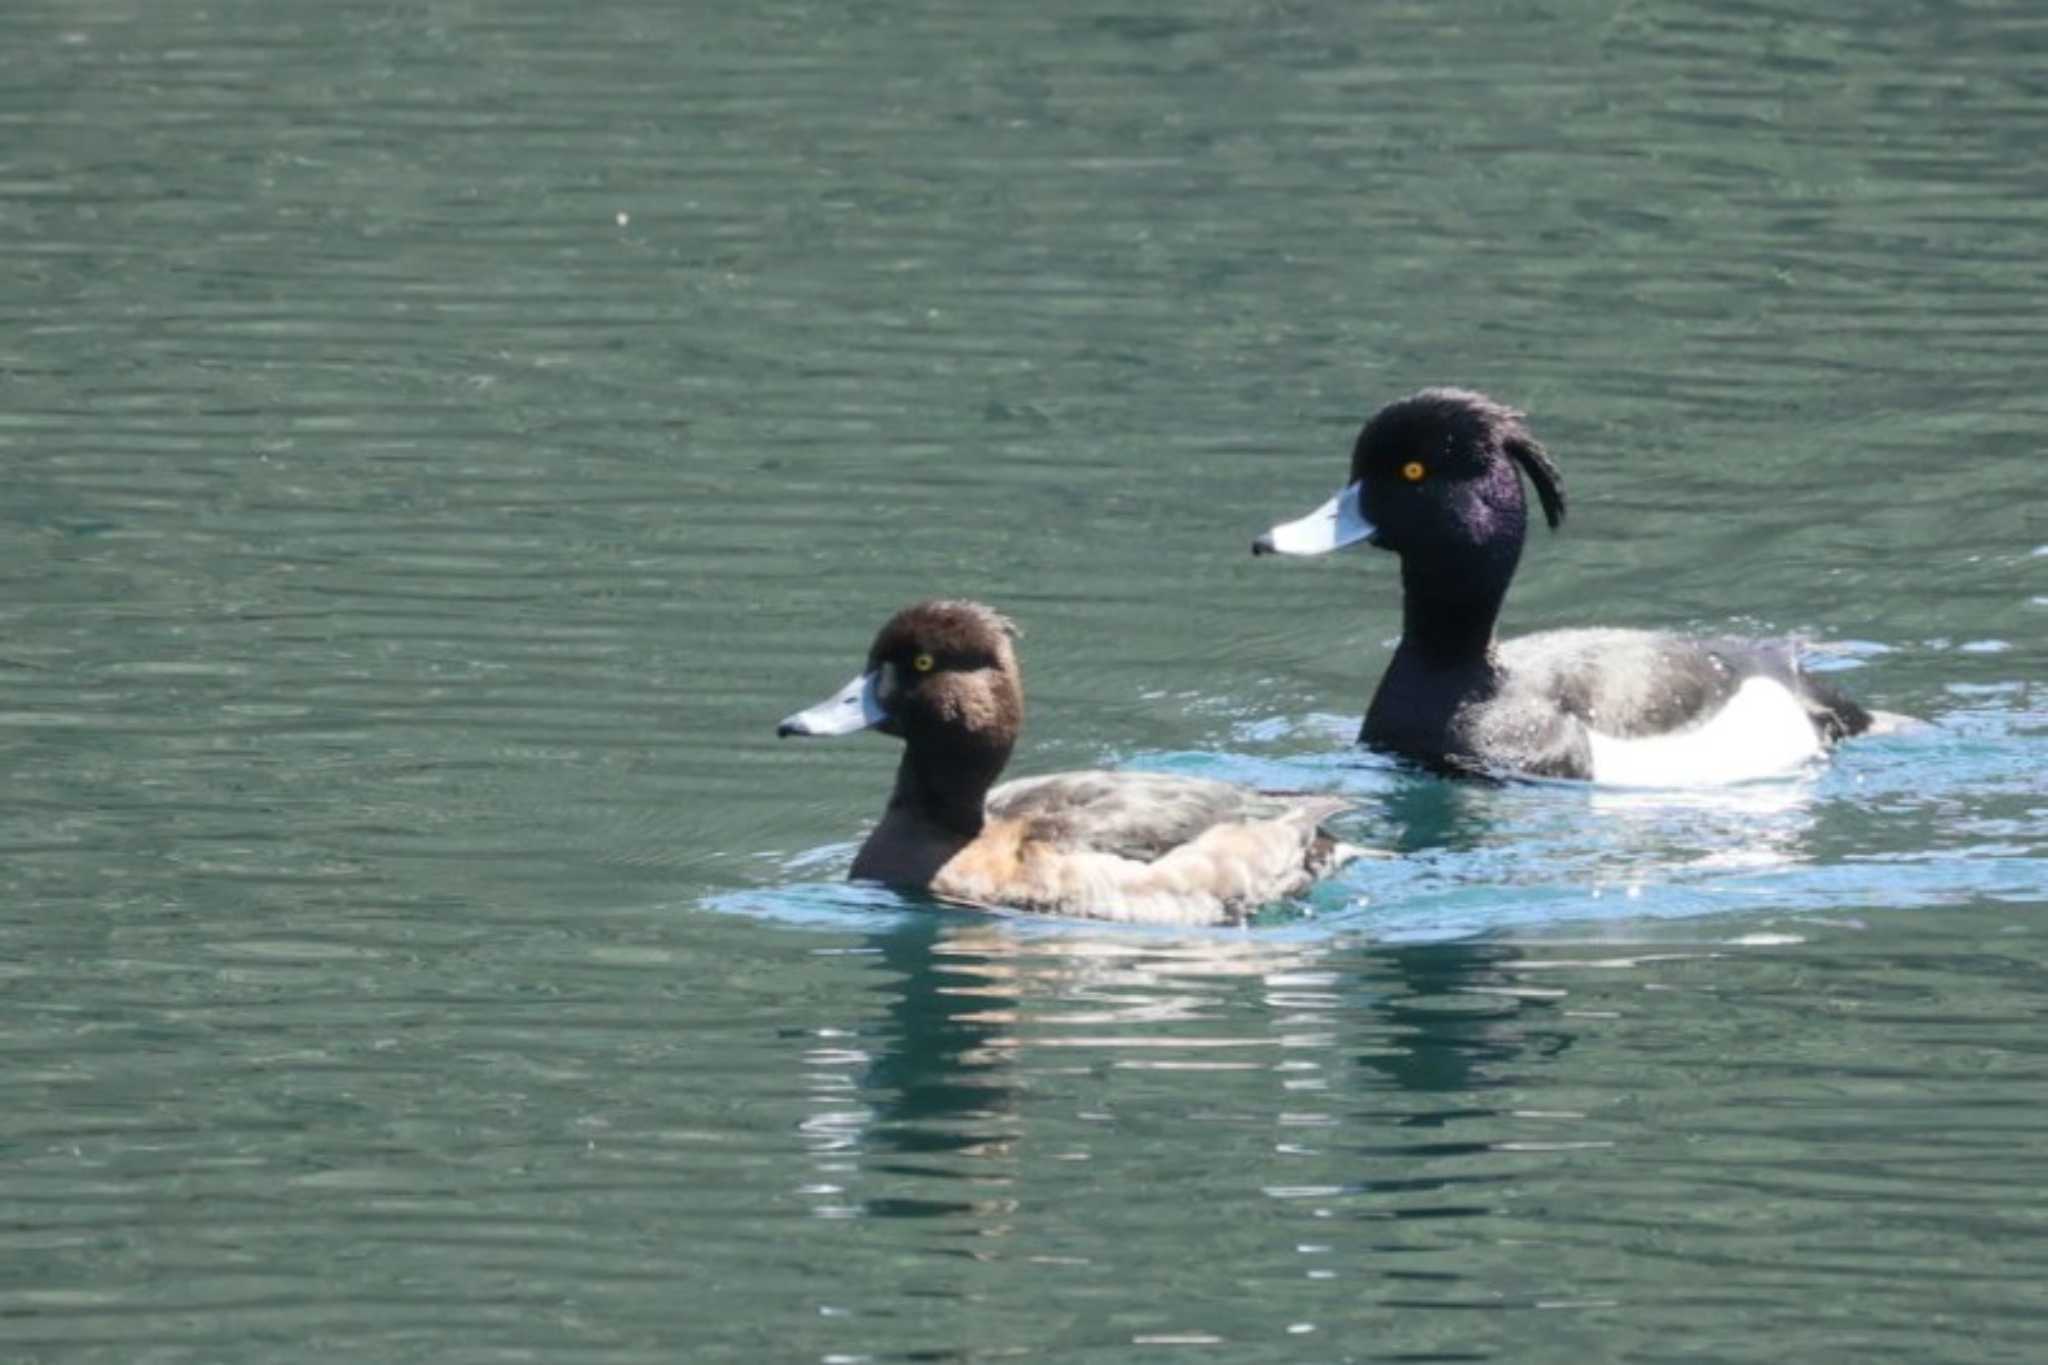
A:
[942,676]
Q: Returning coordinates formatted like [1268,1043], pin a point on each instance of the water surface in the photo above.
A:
[441,441]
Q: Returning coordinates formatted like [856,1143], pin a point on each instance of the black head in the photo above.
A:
[1440,470]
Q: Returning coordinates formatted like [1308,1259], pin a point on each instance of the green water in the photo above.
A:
[441,440]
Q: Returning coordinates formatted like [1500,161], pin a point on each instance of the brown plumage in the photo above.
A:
[1136,847]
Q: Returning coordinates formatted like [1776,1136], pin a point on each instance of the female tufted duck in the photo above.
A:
[1137,847]
[1433,478]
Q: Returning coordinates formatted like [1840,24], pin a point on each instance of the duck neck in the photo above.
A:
[947,791]
[1448,617]
[1445,662]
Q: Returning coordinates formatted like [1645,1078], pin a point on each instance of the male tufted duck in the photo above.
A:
[1434,479]
[1137,847]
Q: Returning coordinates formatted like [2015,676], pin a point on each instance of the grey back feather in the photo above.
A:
[1143,816]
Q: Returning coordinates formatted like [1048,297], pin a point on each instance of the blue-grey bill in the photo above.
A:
[1335,524]
[853,707]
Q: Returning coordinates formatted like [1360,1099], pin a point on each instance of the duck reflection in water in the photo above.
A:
[978,1005]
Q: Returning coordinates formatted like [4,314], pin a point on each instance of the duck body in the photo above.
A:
[1146,848]
[1437,479]
[1625,707]
[1134,847]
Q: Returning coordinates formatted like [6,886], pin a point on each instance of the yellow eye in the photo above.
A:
[923,663]
[1414,471]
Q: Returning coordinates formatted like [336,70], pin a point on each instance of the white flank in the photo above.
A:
[1763,731]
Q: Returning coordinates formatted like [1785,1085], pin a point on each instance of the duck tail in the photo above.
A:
[1836,714]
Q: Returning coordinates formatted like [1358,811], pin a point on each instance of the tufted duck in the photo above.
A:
[1434,478]
[1138,847]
